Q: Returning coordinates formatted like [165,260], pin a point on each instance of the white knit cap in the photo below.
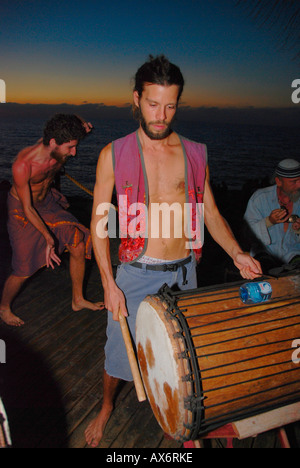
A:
[289,168]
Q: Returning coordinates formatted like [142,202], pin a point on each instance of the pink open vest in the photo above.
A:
[133,197]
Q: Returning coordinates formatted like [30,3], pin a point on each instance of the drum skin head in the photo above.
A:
[207,359]
[160,367]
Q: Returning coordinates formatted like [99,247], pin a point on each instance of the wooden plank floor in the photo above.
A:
[52,379]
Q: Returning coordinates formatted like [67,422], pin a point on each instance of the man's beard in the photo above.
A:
[155,135]
[60,158]
[293,196]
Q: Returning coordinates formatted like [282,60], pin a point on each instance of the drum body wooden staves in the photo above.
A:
[207,359]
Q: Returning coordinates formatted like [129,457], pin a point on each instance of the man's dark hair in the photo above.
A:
[63,128]
[158,70]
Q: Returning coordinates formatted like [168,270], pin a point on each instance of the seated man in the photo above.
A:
[39,226]
[273,217]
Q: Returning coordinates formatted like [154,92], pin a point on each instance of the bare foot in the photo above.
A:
[10,319]
[95,430]
[83,304]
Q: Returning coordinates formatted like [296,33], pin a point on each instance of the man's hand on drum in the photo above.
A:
[115,302]
[248,266]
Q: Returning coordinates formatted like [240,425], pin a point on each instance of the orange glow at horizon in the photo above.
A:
[76,98]
[192,101]
[71,101]
[53,90]
[114,95]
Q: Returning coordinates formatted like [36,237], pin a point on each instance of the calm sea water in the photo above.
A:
[237,153]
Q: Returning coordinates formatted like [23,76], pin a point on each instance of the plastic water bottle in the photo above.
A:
[252,293]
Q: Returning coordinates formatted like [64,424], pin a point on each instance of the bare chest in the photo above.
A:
[166,178]
[43,173]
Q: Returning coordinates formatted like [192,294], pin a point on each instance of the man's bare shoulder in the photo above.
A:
[105,157]
[21,169]
[22,159]
[26,154]
[106,152]
[22,165]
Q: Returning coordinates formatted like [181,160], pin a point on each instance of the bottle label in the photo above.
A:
[265,287]
[256,292]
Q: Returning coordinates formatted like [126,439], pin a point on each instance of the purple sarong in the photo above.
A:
[28,244]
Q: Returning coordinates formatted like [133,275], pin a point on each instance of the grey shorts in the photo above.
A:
[136,284]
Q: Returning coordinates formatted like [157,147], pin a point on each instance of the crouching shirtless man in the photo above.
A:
[39,226]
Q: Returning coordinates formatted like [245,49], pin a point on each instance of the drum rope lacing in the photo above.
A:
[194,402]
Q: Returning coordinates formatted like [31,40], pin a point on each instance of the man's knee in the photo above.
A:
[78,251]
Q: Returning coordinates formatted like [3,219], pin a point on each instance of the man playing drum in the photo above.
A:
[39,225]
[153,167]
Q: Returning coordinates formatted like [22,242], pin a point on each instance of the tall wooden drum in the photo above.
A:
[207,359]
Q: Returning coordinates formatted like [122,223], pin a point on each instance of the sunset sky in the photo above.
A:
[76,52]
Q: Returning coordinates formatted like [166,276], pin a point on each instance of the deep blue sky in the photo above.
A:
[75,51]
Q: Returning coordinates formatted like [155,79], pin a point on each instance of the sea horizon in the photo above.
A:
[237,152]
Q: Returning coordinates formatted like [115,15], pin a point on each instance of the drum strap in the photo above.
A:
[166,267]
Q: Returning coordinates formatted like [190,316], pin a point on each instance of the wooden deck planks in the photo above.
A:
[53,374]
